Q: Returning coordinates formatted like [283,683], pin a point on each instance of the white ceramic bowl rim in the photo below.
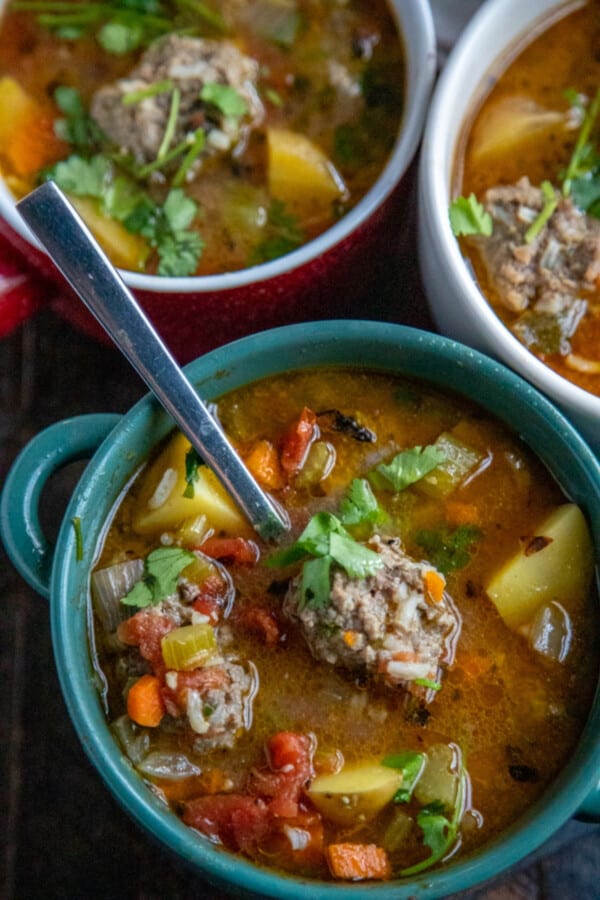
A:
[459,85]
[416,26]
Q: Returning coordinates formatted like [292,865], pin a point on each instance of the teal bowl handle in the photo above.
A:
[20,528]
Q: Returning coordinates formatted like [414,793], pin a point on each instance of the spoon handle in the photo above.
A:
[77,255]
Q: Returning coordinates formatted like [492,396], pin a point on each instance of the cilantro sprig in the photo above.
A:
[162,568]
[440,828]
[468,216]
[323,543]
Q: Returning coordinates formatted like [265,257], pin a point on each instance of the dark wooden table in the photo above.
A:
[63,836]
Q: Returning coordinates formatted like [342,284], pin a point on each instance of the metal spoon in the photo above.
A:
[86,267]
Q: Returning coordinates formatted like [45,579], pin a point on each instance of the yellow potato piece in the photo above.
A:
[162,506]
[15,103]
[356,793]
[126,250]
[510,121]
[560,571]
[299,171]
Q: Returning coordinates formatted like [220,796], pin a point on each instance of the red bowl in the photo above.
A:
[328,277]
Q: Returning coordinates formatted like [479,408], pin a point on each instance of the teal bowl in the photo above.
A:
[120,445]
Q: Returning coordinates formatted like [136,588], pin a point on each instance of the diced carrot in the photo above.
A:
[263,462]
[350,638]
[27,138]
[145,704]
[473,665]
[461,513]
[236,550]
[435,585]
[297,441]
[357,862]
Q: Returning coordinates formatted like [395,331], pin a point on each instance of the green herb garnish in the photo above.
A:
[406,468]
[550,203]
[193,461]
[359,505]
[227,100]
[325,539]
[449,549]
[162,568]
[428,683]
[411,764]
[468,216]
[77,127]
[440,828]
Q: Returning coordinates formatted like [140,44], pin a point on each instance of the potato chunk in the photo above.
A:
[299,171]
[356,793]
[127,250]
[555,564]
[162,506]
[511,121]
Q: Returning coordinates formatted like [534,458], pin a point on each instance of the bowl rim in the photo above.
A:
[512,398]
[463,78]
[415,23]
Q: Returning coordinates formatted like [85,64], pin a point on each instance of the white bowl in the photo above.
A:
[457,305]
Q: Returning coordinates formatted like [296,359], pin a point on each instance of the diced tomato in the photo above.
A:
[269,816]
[262,622]
[286,750]
[208,606]
[297,441]
[237,820]
[238,551]
[145,630]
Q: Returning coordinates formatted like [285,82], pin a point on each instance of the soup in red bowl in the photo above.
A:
[243,166]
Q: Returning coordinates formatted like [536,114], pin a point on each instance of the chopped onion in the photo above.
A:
[299,838]
[551,631]
[109,586]
[134,740]
[170,766]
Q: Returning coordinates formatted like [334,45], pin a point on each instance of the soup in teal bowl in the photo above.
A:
[396,699]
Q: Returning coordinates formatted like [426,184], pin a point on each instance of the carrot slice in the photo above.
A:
[145,704]
[435,585]
[357,862]
[297,441]
[235,550]
[263,462]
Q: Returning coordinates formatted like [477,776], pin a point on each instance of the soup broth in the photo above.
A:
[539,266]
[290,729]
[199,142]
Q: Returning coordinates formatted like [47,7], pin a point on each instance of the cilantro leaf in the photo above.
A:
[193,461]
[165,228]
[449,549]
[435,827]
[82,177]
[77,128]
[359,505]
[411,764]
[467,216]
[406,468]
[315,583]
[227,100]
[162,568]
[326,539]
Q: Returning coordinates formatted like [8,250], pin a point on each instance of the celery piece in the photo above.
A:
[459,460]
[189,646]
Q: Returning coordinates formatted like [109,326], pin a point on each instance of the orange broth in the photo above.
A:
[515,715]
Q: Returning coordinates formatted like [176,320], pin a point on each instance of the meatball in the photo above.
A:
[187,64]
[387,624]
